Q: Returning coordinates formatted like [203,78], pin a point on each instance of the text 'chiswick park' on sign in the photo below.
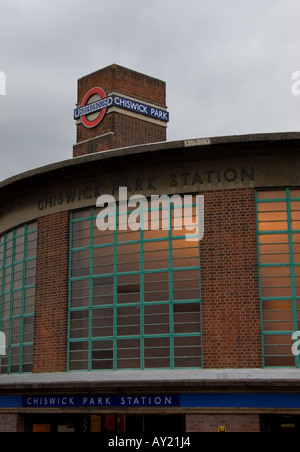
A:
[114,101]
[100,401]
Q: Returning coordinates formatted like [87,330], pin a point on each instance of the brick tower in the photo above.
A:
[118,107]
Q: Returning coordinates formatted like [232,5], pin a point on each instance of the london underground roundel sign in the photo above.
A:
[99,106]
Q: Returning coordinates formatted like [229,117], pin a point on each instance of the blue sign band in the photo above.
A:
[240,400]
[205,400]
[143,109]
[100,401]
[10,401]
[125,104]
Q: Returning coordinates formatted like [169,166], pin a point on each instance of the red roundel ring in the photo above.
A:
[90,93]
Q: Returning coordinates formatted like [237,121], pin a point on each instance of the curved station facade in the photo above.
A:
[151,286]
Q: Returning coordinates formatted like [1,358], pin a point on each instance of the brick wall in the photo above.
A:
[51,319]
[125,80]
[229,281]
[119,130]
[11,423]
[234,423]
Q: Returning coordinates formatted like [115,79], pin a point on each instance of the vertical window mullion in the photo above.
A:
[292,267]
[90,346]
[2,299]
[292,261]
[259,282]
[115,294]
[11,297]
[171,299]
[23,300]
[142,288]
[70,293]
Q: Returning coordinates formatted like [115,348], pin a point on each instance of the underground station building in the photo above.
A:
[151,286]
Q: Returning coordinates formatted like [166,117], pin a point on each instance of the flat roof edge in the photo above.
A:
[147,148]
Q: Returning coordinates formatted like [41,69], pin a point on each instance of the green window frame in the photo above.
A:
[134,297]
[17,298]
[278,245]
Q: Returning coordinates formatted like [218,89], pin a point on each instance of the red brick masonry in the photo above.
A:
[51,319]
[234,423]
[229,281]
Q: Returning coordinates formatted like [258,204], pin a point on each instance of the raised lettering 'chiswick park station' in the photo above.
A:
[151,286]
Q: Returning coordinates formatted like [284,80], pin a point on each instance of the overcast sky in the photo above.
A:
[228,65]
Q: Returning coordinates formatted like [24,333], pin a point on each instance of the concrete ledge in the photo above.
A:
[188,379]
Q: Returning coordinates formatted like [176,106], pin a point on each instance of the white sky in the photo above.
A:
[228,65]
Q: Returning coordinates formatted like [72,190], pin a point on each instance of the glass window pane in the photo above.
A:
[129,258]
[103,291]
[80,263]
[296,248]
[103,261]
[103,323]
[157,319]
[129,290]
[30,272]
[129,321]
[102,355]
[27,358]
[29,301]
[78,356]
[187,318]
[156,287]
[103,238]
[271,194]
[81,214]
[79,324]
[156,255]
[277,351]
[28,331]
[129,354]
[188,352]
[157,353]
[31,245]
[295,193]
[185,254]
[186,285]
[81,234]
[16,331]
[80,293]
[17,303]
